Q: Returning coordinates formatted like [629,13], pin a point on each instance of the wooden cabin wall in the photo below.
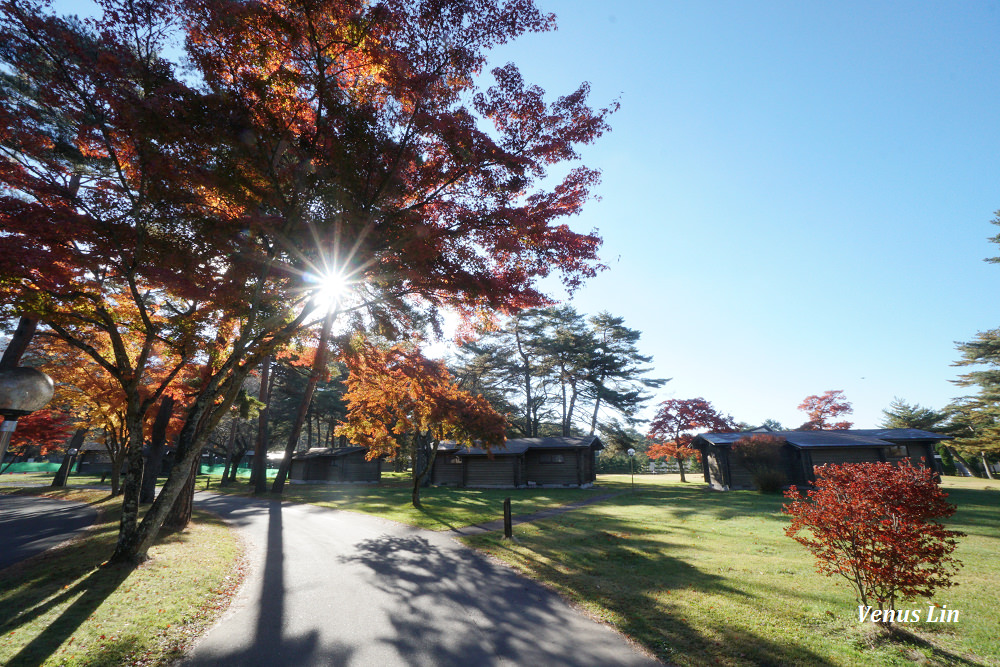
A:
[844,455]
[445,472]
[480,471]
[566,472]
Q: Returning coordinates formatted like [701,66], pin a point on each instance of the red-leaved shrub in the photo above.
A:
[877,526]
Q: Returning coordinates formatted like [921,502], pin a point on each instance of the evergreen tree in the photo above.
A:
[974,420]
[901,414]
[556,368]
[614,380]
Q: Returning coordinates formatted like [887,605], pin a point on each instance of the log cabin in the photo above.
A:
[521,463]
[803,451]
[334,465]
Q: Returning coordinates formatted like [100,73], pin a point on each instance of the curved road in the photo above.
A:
[30,525]
[339,588]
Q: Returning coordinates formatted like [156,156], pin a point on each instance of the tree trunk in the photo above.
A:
[680,464]
[258,476]
[420,472]
[180,513]
[319,365]
[117,460]
[965,464]
[593,420]
[986,465]
[567,428]
[128,526]
[527,385]
[133,545]
[154,459]
[229,451]
[19,342]
[74,443]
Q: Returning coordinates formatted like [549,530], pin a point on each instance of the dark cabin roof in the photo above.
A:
[315,452]
[838,438]
[521,445]
[901,434]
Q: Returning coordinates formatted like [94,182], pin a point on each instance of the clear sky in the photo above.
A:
[796,195]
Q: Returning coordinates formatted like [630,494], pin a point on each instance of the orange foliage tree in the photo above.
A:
[824,408]
[680,450]
[395,395]
[202,199]
[98,399]
[674,420]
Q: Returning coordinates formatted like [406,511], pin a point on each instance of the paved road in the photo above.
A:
[339,588]
[30,525]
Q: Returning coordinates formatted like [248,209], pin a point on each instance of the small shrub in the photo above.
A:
[769,480]
[760,453]
[876,525]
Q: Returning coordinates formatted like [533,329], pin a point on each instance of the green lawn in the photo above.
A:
[697,577]
[61,608]
[707,578]
[443,508]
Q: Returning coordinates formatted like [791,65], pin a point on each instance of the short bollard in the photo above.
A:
[508,531]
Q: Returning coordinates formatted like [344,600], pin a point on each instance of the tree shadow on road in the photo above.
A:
[269,646]
[450,606]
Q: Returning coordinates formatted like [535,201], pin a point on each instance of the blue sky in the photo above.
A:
[796,196]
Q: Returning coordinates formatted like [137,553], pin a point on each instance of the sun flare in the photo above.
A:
[329,289]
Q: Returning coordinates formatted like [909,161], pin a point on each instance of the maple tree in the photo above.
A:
[877,525]
[823,408]
[187,210]
[41,431]
[95,194]
[679,450]
[98,399]
[672,422]
[397,395]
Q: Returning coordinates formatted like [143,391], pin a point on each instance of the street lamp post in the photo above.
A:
[22,391]
[631,469]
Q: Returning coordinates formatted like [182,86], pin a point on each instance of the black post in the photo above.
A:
[631,471]
[508,531]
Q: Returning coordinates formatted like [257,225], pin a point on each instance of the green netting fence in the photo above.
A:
[46,466]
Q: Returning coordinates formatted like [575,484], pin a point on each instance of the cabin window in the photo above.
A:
[551,458]
[895,452]
[455,460]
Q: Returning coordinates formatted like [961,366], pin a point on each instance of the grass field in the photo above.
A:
[61,608]
[697,577]
[707,578]
[444,508]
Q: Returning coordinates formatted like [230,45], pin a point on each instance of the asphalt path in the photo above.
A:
[30,525]
[338,588]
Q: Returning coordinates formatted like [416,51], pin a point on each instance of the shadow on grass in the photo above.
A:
[904,638]
[116,652]
[89,594]
[96,496]
[627,568]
